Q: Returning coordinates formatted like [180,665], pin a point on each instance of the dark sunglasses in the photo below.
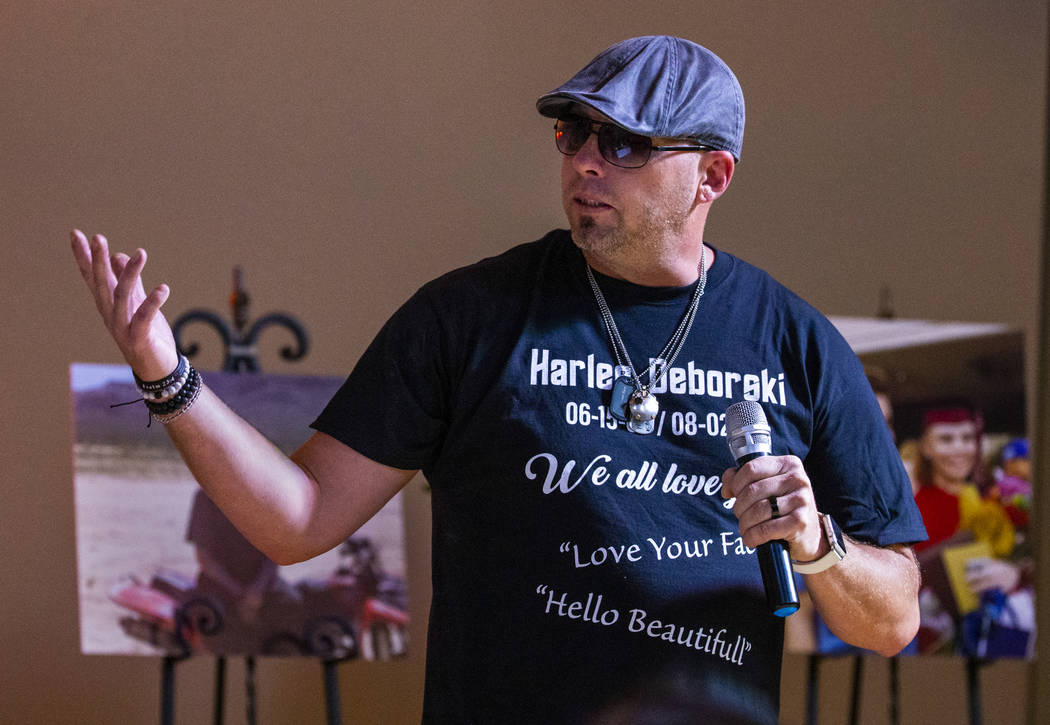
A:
[617,146]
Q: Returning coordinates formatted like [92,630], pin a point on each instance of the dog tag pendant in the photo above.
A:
[622,390]
[642,409]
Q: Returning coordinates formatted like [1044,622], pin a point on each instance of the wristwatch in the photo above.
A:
[837,553]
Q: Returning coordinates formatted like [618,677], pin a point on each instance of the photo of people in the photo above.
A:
[978,594]
[161,570]
[954,401]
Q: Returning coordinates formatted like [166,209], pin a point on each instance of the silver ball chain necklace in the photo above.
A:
[632,401]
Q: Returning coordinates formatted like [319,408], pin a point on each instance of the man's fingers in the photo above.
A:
[127,294]
[118,261]
[147,311]
[737,481]
[91,270]
[82,254]
[102,275]
[756,484]
[130,315]
[761,511]
[754,479]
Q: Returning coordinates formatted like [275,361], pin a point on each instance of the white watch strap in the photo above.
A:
[833,557]
[817,565]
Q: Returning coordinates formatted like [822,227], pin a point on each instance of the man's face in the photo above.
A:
[951,448]
[612,209]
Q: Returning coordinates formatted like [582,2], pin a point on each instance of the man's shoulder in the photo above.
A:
[518,266]
[746,276]
[513,258]
[781,312]
[745,280]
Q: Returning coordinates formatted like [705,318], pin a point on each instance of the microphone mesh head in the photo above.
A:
[747,432]
[746,412]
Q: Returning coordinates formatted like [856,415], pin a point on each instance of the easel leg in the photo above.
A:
[858,676]
[973,688]
[220,690]
[331,692]
[167,690]
[249,689]
[811,689]
[895,691]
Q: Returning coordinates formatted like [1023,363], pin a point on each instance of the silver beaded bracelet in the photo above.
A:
[196,384]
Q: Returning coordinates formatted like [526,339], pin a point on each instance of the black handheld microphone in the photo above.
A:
[749,437]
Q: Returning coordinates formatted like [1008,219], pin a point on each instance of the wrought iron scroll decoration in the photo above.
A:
[240,347]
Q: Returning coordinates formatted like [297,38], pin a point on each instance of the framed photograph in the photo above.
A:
[954,397]
[162,571]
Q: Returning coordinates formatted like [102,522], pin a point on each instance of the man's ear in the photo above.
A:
[716,171]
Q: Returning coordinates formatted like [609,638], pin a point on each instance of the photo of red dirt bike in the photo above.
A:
[357,612]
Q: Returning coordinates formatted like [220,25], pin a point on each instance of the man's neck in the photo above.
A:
[653,271]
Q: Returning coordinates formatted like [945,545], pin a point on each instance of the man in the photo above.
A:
[257,604]
[588,541]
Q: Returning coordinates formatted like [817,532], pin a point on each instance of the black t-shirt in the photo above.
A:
[574,562]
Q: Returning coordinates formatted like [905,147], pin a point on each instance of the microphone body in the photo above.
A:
[749,437]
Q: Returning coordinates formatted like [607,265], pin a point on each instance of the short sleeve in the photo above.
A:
[857,473]
[393,406]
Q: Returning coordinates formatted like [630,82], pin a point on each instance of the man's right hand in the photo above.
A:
[132,317]
[291,510]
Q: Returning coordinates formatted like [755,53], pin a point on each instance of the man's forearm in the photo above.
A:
[289,509]
[870,598]
[264,494]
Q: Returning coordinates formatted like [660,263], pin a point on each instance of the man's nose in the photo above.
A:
[589,159]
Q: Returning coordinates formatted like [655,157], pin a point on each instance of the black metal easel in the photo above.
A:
[239,343]
[973,689]
[812,688]
[240,354]
[813,682]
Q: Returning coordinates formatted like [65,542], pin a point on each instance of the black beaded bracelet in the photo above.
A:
[180,399]
[163,407]
[172,409]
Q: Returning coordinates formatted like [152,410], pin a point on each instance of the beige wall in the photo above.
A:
[345,152]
